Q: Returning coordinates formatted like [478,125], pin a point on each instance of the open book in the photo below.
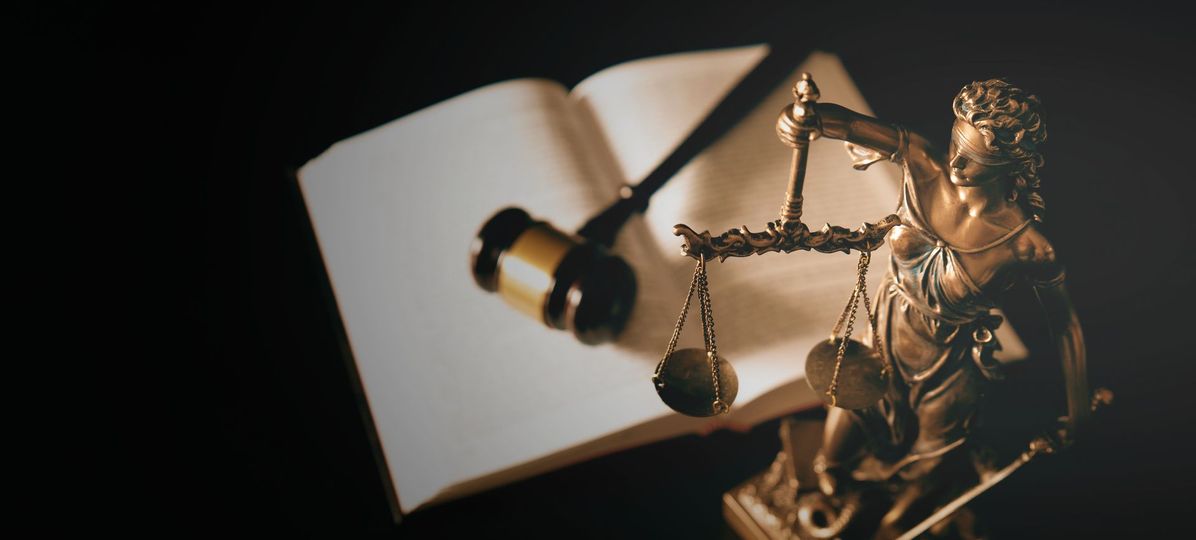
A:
[465,392]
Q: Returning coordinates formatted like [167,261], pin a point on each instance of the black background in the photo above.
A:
[262,429]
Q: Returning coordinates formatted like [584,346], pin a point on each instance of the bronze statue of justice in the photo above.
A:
[902,403]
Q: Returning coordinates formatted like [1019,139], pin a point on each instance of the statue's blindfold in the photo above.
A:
[969,149]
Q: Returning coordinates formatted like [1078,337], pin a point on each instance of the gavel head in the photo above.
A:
[562,280]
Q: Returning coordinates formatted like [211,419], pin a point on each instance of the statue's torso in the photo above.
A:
[936,294]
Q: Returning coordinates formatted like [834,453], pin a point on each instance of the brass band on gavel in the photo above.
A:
[554,277]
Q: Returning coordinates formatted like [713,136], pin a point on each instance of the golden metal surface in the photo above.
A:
[525,272]
[862,382]
[687,386]
[785,237]
[796,128]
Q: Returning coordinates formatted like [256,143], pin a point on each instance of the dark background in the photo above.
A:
[262,430]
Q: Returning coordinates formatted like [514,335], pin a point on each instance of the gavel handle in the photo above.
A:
[751,90]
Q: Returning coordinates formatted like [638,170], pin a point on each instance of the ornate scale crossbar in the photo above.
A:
[796,127]
[844,372]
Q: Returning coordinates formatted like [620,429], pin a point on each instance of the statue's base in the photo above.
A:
[765,507]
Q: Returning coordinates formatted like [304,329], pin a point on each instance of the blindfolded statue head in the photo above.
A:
[996,138]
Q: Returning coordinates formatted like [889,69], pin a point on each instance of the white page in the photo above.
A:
[459,384]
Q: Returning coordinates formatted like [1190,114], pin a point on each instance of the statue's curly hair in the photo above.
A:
[1009,120]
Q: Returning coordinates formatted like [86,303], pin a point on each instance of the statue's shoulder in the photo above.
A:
[1035,256]
[921,158]
[1031,246]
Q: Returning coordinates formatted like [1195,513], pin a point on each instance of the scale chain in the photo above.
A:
[693,284]
[708,334]
[849,312]
[877,341]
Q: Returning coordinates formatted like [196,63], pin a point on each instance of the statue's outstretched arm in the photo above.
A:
[870,140]
[839,122]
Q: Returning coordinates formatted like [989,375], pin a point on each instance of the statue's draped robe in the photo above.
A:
[937,331]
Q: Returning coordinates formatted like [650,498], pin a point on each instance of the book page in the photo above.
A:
[769,310]
[459,384]
[641,110]
[645,108]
